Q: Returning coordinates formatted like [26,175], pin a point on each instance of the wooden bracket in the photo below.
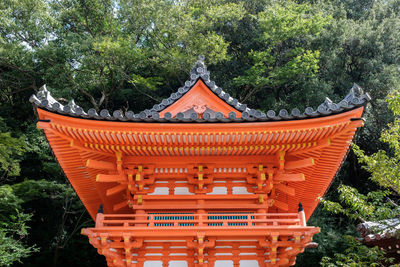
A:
[281,160]
[202,176]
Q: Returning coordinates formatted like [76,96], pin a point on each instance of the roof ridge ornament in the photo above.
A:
[356,95]
[199,71]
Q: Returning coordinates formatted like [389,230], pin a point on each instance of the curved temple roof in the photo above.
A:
[307,146]
[199,75]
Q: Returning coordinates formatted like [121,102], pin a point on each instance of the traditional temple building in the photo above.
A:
[384,234]
[200,179]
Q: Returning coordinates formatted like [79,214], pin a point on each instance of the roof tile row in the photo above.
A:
[355,98]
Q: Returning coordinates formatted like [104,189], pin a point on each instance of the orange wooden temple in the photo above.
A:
[200,179]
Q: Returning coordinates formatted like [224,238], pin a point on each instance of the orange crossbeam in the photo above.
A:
[285,189]
[297,164]
[290,177]
[100,165]
[115,190]
[281,205]
[107,178]
[207,206]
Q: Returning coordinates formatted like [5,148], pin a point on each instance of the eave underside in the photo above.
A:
[324,140]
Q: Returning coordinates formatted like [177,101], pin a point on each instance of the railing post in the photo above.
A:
[262,217]
[200,217]
[151,220]
[144,217]
[302,215]
[99,217]
[200,202]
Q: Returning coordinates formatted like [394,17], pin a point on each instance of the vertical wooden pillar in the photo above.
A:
[262,216]
[144,217]
[201,211]
[302,216]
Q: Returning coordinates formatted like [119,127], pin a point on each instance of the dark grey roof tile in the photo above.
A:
[143,115]
[242,107]
[118,114]
[57,106]
[283,113]
[205,77]
[35,100]
[79,111]
[155,115]
[167,115]
[211,84]
[323,110]
[92,112]
[194,116]
[309,111]
[232,115]
[207,115]
[296,113]
[104,113]
[343,104]
[182,90]
[233,102]
[219,115]
[226,97]
[271,114]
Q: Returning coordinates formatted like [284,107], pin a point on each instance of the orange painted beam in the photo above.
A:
[285,189]
[100,165]
[281,205]
[108,178]
[116,189]
[290,177]
[297,164]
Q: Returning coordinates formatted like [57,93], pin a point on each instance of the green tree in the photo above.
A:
[286,60]
[376,205]
[384,168]
[130,54]
[11,150]
[13,220]
[356,255]
[13,228]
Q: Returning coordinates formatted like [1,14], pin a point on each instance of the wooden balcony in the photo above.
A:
[200,239]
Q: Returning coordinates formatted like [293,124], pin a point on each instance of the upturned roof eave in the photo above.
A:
[354,99]
[53,117]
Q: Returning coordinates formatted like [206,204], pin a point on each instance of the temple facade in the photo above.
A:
[200,179]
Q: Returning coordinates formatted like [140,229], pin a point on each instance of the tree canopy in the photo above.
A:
[131,54]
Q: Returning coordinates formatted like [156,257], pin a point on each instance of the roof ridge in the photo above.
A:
[199,71]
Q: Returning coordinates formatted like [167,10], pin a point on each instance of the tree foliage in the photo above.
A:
[375,205]
[131,54]
[356,255]
[286,58]
[384,169]
[13,228]
[11,149]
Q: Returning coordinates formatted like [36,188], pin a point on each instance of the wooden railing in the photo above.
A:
[199,220]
